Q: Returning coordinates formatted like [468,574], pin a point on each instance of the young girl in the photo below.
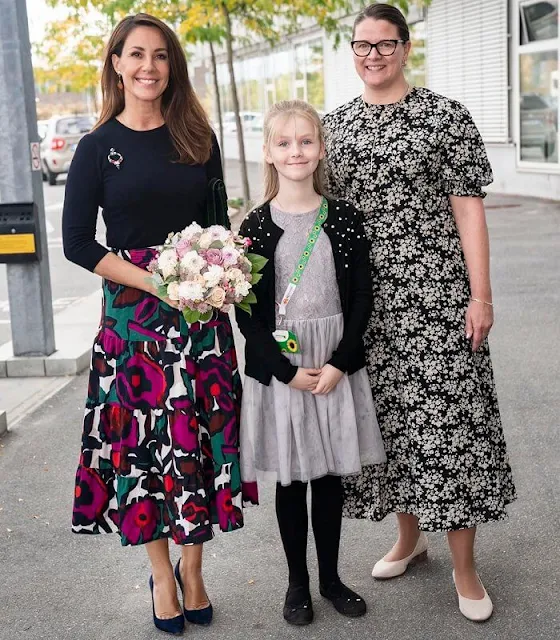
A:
[307,409]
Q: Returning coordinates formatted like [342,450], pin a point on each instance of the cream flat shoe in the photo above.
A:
[383,569]
[476,610]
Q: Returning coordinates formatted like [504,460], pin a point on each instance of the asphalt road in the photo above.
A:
[58,586]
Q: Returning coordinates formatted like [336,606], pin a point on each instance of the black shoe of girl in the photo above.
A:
[298,609]
[344,600]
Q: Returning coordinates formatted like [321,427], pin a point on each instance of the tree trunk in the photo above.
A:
[240,142]
[218,105]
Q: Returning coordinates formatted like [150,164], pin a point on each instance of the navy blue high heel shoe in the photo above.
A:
[174,625]
[196,616]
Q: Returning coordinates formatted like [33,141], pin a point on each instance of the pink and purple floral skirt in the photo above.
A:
[160,445]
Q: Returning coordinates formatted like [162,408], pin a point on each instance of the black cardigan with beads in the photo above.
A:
[350,248]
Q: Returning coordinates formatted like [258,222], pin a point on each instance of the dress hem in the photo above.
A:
[200,539]
[378,516]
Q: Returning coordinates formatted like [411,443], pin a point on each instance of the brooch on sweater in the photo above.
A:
[115,158]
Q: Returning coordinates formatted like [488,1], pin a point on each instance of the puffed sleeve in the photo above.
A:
[465,166]
[82,199]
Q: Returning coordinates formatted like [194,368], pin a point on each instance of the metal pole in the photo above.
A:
[29,285]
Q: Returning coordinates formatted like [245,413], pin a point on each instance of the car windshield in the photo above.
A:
[75,125]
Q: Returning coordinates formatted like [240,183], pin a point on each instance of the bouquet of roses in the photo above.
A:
[206,270]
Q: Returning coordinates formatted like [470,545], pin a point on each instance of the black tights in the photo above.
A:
[326,519]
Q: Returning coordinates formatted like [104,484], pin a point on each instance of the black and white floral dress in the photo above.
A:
[435,399]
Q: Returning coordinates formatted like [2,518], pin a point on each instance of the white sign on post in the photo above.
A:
[35,156]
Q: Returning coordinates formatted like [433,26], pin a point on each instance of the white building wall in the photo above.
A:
[510,179]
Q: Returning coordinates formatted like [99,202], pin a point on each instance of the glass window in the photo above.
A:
[225,91]
[316,76]
[539,106]
[416,67]
[300,76]
[283,65]
[538,20]
[74,126]
[254,84]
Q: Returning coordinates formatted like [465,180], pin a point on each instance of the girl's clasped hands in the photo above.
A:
[318,381]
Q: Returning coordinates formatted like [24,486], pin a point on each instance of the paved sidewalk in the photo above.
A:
[74,331]
[59,586]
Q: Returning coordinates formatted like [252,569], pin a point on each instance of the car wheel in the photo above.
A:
[51,177]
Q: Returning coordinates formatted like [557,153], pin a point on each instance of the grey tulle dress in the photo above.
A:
[293,433]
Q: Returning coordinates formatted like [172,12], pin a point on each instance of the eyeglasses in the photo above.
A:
[362,48]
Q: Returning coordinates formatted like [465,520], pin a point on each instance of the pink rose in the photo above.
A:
[214,256]
[230,256]
[183,247]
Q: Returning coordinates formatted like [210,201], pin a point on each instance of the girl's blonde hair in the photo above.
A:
[290,109]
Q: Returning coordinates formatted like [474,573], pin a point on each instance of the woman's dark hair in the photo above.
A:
[382,11]
[182,111]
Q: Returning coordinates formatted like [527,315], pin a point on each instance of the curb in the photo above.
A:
[74,329]
[33,402]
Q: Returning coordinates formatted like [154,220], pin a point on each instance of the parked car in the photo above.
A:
[249,120]
[60,141]
[539,124]
[42,127]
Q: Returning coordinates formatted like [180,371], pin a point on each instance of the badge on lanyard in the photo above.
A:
[287,340]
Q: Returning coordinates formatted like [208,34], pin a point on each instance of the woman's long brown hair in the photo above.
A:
[182,112]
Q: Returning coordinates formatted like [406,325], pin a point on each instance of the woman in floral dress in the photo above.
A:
[414,163]
[159,454]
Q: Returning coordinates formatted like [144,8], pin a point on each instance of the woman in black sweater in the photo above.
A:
[159,452]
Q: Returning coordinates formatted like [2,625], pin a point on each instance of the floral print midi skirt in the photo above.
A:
[160,445]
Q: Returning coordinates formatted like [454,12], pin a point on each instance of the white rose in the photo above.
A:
[173,291]
[235,275]
[191,262]
[192,291]
[192,230]
[219,233]
[205,241]
[167,263]
[242,288]
[213,276]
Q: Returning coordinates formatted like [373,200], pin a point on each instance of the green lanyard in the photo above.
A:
[302,263]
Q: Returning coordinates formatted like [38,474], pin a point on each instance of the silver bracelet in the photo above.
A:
[490,304]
